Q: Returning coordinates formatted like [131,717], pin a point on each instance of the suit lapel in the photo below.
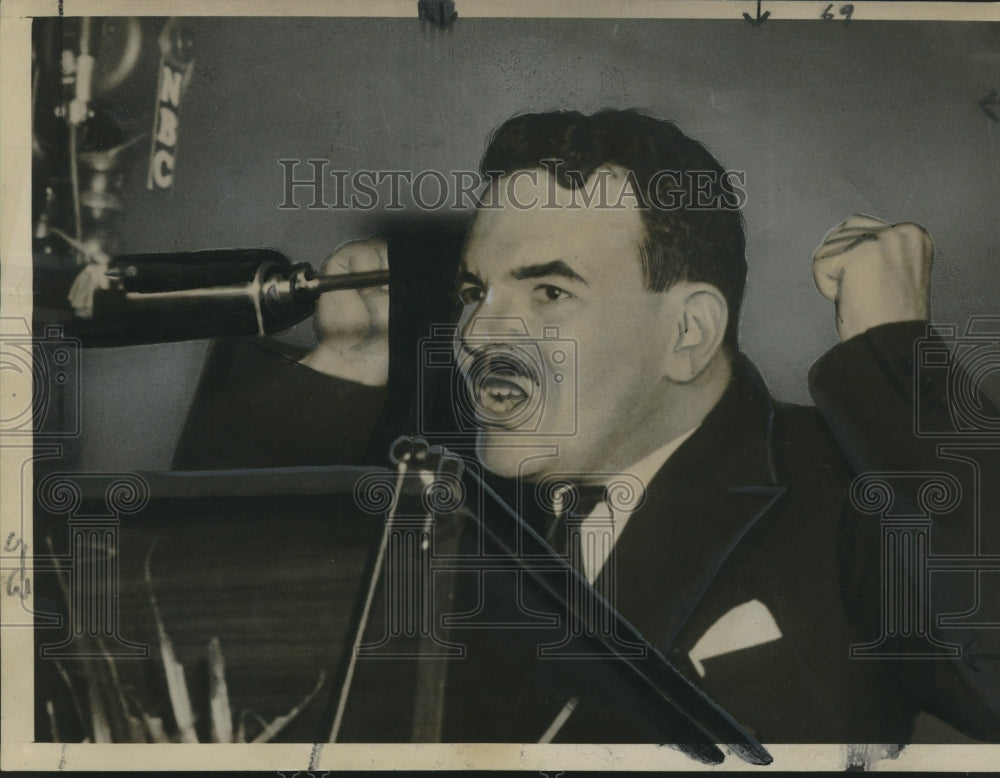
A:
[717,486]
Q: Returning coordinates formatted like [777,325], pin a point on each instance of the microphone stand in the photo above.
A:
[706,721]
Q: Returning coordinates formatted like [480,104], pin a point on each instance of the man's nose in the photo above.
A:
[490,327]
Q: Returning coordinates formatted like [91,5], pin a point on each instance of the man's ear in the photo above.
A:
[697,316]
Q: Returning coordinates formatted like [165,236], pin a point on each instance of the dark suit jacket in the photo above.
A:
[749,529]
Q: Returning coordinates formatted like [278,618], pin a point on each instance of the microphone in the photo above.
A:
[156,298]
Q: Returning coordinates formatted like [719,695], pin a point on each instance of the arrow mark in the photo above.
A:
[761,18]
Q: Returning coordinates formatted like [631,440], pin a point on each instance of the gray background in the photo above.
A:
[826,118]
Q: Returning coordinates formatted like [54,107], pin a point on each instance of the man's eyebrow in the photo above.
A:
[465,277]
[554,268]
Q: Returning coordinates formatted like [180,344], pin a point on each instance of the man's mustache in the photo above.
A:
[499,360]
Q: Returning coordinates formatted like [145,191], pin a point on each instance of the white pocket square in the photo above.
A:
[745,626]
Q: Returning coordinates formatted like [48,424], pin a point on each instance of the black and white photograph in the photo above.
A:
[456,384]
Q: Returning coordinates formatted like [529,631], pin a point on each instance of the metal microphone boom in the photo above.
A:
[155,298]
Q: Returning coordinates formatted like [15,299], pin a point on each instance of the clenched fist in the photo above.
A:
[352,325]
[875,272]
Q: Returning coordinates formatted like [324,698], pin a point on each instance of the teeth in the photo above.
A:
[499,396]
[503,394]
[503,386]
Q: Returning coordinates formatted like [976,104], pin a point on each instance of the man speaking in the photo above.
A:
[745,563]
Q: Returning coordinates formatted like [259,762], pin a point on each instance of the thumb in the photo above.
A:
[827,274]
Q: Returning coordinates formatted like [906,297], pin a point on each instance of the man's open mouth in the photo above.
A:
[500,395]
[500,383]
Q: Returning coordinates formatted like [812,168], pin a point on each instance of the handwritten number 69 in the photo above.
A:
[845,10]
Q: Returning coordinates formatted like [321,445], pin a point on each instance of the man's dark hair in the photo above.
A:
[681,242]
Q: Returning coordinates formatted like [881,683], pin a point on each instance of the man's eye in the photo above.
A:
[470,295]
[551,293]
